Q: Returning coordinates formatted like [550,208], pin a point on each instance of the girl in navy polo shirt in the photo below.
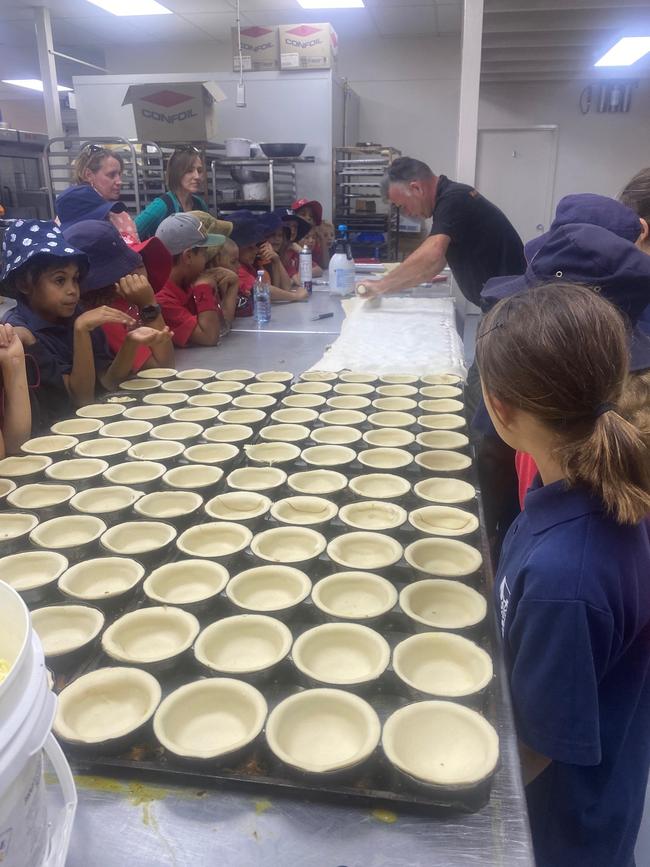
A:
[573,583]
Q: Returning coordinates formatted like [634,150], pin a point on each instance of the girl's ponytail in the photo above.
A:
[614,462]
[559,352]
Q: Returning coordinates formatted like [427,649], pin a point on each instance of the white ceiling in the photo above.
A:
[523,39]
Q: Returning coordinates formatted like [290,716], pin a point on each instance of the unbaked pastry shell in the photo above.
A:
[138,537]
[101,578]
[150,635]
[341,654]
[443,604]
[354,595]
[364,550]
[210,718]
[67,532]
[288,545]
[323,730]
[447,558]
[215,539]
[304,511]
[265,589]
[245,643]
[185,582]
[106,704]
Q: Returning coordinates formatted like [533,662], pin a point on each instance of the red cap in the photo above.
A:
[316,207]
[157,260]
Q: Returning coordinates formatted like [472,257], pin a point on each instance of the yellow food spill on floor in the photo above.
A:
[386,816]
[262,806]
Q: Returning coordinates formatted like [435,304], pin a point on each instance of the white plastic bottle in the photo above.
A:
[341,267]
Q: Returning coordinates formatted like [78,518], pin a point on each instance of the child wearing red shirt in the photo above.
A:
[190,308]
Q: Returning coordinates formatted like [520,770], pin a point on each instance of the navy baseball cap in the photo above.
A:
[593,257]
[303,227]
[247,229]
[592,209]
[82,202]
[109,257]
[25,239]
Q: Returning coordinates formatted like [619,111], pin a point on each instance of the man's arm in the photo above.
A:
[422,265]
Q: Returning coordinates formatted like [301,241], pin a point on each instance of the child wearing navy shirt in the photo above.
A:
[66,352]
[572,587]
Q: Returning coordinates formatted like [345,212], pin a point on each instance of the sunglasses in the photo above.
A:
[93,149]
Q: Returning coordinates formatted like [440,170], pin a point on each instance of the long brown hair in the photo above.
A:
[636,194]
[559,352]
[179,163]
[90,159]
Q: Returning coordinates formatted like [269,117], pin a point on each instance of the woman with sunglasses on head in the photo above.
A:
[185,179]
[97,180]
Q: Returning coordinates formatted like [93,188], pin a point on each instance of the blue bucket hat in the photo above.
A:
[82,202]
[592,209]
[594,257]
[246,229]
[109,257]
[28,238]
[270,222]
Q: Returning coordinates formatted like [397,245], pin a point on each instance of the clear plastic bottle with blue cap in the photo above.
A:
[262,299]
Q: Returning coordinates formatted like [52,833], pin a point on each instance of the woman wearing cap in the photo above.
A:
[185,180]
[119,277]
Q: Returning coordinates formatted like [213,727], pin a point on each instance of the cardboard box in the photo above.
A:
[307,46]
[175,111]
[260,49]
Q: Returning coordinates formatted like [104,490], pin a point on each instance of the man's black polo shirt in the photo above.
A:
[483,243]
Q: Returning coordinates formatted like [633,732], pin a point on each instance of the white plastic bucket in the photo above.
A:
[27,838]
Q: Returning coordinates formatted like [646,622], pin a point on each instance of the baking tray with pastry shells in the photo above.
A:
[278,599]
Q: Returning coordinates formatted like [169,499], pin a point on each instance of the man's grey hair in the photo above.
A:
[404,170]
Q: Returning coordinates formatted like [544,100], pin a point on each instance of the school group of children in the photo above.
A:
[92,306]
[564,358]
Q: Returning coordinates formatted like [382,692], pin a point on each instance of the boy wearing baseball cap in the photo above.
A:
[190,305]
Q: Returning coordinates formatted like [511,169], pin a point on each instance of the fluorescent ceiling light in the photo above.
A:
[132,7]
[331,4]
[627,51]
[32,84]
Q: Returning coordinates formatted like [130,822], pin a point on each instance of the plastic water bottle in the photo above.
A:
[262,299]
[341,267]
[306,271]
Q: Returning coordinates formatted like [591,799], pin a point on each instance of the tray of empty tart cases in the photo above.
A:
[236,577]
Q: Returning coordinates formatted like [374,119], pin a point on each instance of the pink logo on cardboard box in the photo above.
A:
[304,30]
[255,32]
[166,98]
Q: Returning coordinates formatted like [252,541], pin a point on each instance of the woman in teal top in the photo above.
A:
[185,178]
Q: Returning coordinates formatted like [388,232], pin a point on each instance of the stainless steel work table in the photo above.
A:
[130,821]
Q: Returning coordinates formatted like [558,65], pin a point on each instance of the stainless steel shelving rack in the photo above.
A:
[143,178]
[282,182]
[357,176]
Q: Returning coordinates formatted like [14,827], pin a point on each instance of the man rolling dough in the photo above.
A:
[468,232]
